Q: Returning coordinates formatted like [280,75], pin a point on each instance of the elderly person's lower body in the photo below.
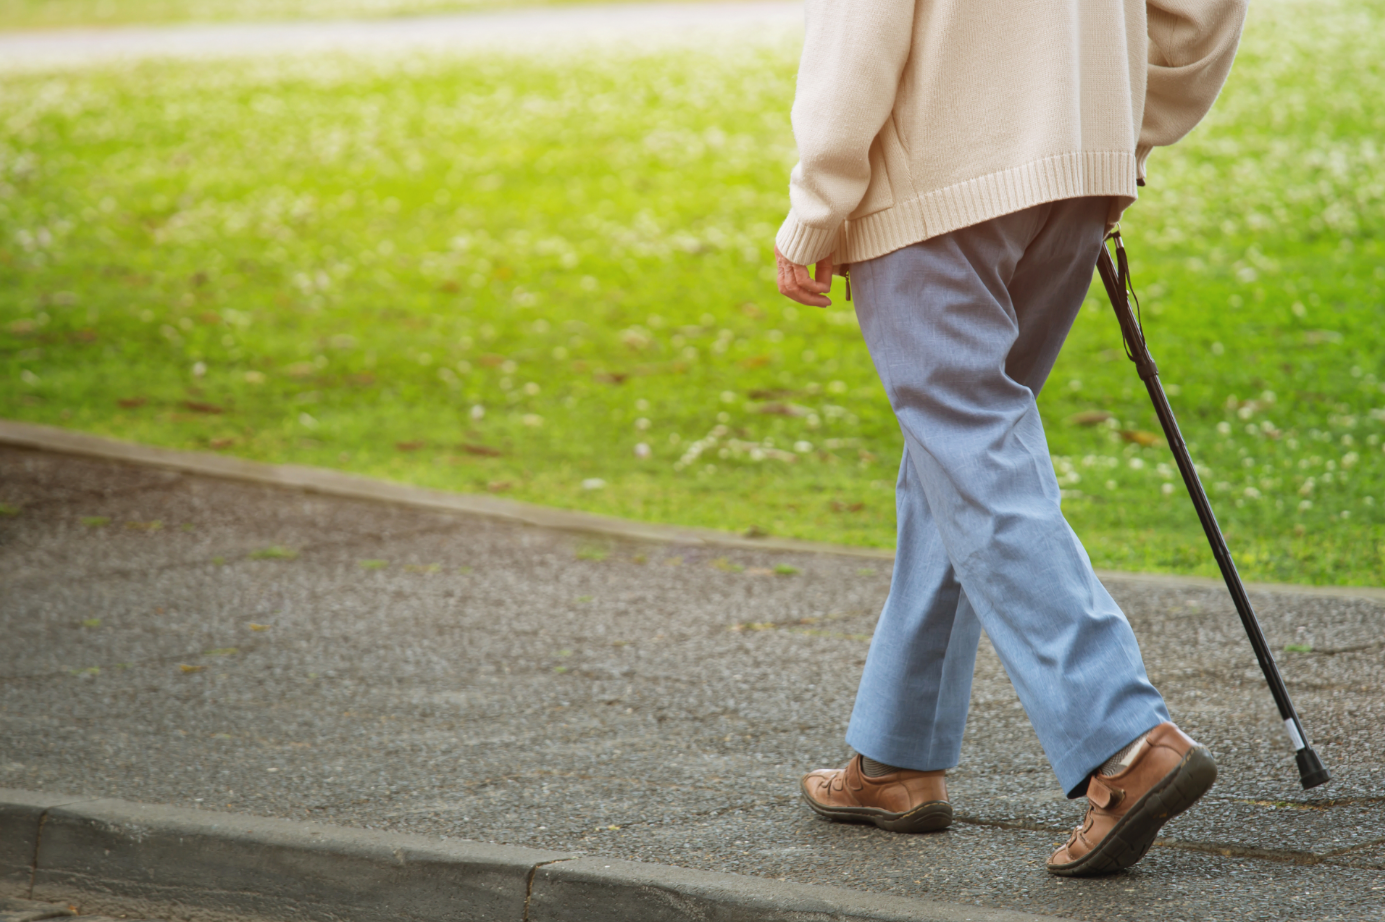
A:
[964,329]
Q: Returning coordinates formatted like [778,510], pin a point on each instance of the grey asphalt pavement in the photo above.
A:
[177,639]
[17,910]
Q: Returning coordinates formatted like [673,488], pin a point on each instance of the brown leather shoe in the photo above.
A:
[1125,812]
[902,801]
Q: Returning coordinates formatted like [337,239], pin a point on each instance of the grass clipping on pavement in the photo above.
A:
[552,278]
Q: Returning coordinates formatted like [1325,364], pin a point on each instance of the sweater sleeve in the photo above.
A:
[854,52]
[1191,46]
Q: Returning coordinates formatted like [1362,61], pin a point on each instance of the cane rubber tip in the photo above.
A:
[1311,771]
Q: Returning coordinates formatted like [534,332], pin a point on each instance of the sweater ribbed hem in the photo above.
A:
[803,244]
[1074,175]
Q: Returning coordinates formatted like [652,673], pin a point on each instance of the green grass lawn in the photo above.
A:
[59,14]
[551,278]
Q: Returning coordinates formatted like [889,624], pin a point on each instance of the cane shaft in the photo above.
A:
[1310,768]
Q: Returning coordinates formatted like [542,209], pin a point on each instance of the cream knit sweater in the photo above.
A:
[917,117]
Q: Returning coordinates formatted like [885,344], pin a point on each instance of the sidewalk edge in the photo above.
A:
[116,856]
[353,486]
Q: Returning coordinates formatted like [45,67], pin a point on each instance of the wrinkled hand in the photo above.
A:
[795,282]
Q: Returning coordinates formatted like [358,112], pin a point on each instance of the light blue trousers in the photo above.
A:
[964,329]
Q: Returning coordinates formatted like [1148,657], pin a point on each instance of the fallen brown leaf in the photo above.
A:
[131,403]
[1089,417]
[1140,437]
[781,409]
[198,406]
[409,446]
[484,451]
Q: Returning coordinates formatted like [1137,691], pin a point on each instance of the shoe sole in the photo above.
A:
[933,816]
[1133,835]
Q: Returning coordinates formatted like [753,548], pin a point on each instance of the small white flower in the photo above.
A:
[533,420]
[1166,489]
[1224,428]
[199,369]
[307,420]
[642,451]
[1305,505]
[1136,463]
[478,412]
[728,397]
[802,447]
[531,389]
[28,377]
[641,424]
[593,483]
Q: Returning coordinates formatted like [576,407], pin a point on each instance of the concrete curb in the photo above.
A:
[122,857]
[335,483]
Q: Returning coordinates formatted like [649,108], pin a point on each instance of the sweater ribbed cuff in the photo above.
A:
[802,244]
[1142,153]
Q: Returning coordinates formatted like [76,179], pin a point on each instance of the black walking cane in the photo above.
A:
[1310,768]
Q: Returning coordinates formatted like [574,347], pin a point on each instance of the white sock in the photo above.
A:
[1122,760]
